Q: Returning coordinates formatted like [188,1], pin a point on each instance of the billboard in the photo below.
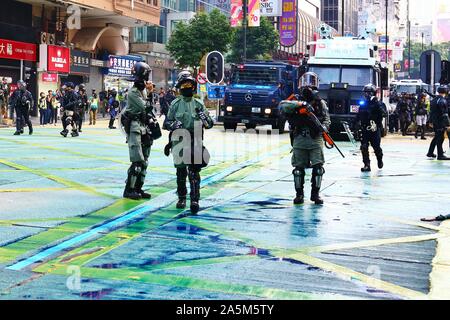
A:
[288,23]
[271,8]
[254,14]
[442,26]
[237,13]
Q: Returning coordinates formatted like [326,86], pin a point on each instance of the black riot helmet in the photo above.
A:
[186,84]
[370,91]
[442,89]
[82,87]
[21,85]
[141,72]
[70,85]
[308,85]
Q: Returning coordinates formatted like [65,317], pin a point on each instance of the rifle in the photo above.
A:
[306,109]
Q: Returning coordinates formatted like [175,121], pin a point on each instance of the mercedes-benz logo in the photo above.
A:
[248,97]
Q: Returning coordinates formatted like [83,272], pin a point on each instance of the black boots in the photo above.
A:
[131,194]
[181,204]
[64,133]
[379,154]
[366,167]
[299,181]
[194,180]
[316,182]
[139,185]
[181,187]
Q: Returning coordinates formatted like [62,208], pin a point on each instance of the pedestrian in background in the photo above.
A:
[422,115]
[404,109]
[113,106]
[42,105]
[93,107]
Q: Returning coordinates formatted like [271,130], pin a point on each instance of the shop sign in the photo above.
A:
[49,77]
[80,62]
[121,66]
[17,50]
[58,59]
[288,23]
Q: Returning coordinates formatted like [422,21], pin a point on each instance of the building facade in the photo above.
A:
[332,12]
[69,41]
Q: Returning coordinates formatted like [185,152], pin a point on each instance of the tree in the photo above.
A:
[261,41]
[190,41]
[416,52]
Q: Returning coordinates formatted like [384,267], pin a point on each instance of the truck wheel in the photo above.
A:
[230,126]
[280,124]
[250,125]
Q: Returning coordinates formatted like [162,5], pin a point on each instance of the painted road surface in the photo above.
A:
[66,232]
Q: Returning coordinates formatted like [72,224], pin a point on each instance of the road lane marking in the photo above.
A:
[150,207]
[66,182]
[439,276]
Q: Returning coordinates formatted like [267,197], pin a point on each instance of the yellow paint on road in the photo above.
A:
[440,274]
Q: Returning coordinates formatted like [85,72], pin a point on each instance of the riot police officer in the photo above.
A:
[83,106]
[306,139]
[186,120]
[139,139]
[70,105]
[370,122]
[404,110]
[440,120]
[22,101]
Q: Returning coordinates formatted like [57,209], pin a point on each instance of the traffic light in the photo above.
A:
[214,67]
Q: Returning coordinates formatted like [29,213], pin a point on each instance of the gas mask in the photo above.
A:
[187,89]
[307,94]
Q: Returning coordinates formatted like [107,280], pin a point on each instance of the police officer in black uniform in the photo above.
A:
[440,120]
[22,101]
[70,103]
[370,122]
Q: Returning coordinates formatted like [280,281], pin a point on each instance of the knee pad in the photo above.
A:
[299,172]
[318,170]
[136,168]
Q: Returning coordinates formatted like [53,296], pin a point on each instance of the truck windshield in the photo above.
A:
[407,89]
[326,75]
[357,76]
[262,76]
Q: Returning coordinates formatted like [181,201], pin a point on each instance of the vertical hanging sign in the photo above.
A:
[237,13]
[254,13]
[288,23]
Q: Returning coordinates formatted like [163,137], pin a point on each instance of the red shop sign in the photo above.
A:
[58,59]
[49,77]
[17,50]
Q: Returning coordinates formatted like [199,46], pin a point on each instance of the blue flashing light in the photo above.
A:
[362,102]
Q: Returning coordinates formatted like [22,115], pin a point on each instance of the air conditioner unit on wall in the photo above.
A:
[51,38]
[44,37]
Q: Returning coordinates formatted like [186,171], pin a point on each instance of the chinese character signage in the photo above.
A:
[254,13]
[237,13]
[49,77]
[17,50]
[121,66]
[270,8]
[58,59]
[80,62]
[288,23]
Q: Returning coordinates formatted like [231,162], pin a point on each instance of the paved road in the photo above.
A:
[66,233]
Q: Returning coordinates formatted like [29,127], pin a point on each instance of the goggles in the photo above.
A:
[187,85]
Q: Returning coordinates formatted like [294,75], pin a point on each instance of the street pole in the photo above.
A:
[422,41]
[343,17]
[245,29]
[386,47]
[409,43]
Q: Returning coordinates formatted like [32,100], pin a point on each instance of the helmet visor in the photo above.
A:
[309,79]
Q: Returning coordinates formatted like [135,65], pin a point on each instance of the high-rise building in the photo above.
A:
[342,15]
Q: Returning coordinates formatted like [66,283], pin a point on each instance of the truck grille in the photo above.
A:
[239,98]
